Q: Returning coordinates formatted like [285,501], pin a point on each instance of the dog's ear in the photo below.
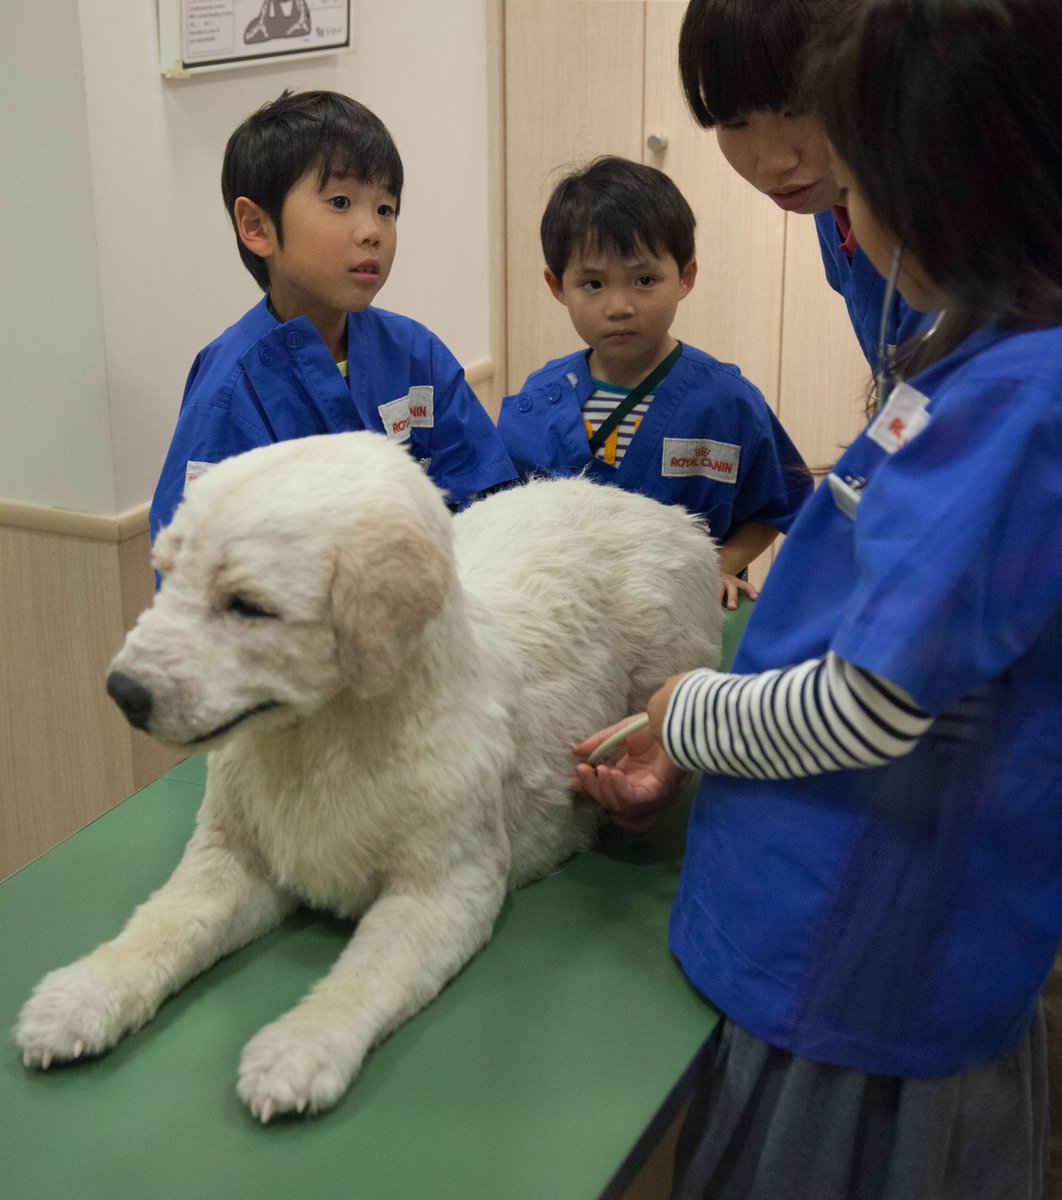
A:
[387,587]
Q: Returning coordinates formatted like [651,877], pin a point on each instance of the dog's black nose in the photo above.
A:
[131,697]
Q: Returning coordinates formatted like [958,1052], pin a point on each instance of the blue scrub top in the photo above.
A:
[901,920]
[708,441]
[863,289]
[265,381]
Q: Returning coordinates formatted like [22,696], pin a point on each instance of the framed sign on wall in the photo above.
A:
[214,35]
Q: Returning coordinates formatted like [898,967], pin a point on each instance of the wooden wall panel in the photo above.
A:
[66,599]
[573,85]
[65,749]
[498,250]
[824,376]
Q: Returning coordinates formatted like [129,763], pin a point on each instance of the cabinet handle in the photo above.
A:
[657,142]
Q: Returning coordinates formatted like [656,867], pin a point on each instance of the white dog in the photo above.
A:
[390,699]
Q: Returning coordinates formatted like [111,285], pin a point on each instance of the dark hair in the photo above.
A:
[619,206]
[742,56]
[325,131]
[947,114]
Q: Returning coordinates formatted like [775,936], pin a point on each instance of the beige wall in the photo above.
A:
[55,434]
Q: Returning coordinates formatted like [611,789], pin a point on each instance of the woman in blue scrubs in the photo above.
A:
[872,888]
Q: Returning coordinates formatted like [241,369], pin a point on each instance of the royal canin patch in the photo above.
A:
[413,411]
[698,456]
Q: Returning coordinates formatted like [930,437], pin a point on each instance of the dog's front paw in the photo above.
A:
[79,1010]
[295,1065]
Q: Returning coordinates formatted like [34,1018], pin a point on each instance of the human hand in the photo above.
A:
[641,782]
[730,586]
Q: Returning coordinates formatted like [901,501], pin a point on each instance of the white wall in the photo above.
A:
[55,445]
[128,166]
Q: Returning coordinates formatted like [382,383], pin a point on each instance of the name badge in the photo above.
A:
[846,493]
[414,411]
[698,456]
[903,418]
[192,471]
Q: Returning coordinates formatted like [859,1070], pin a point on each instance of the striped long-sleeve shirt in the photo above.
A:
[606,398]
[821,715]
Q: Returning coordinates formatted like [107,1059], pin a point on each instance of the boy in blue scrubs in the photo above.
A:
[739,64]
[312,183]
[619,247]
[872,886]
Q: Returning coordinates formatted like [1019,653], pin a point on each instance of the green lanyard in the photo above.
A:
[632,398]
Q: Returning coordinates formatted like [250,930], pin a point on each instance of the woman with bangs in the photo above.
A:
[740,63]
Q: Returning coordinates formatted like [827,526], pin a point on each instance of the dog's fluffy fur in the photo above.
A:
[389,698]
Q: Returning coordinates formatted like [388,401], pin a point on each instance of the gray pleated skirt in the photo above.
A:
[764,1124]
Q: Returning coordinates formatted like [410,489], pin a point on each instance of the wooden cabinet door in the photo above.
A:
[574,80]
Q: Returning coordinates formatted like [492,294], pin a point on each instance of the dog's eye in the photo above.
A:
[243,607]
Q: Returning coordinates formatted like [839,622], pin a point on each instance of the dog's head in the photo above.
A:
[289,574]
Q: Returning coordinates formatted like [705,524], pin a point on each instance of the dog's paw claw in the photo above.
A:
[76,1011]
[285,1069]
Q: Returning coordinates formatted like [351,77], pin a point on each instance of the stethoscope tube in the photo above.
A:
[883,376]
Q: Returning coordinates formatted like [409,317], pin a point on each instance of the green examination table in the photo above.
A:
[546,1070]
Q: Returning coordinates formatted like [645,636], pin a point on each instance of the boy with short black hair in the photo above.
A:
[639,409]
[312,184]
